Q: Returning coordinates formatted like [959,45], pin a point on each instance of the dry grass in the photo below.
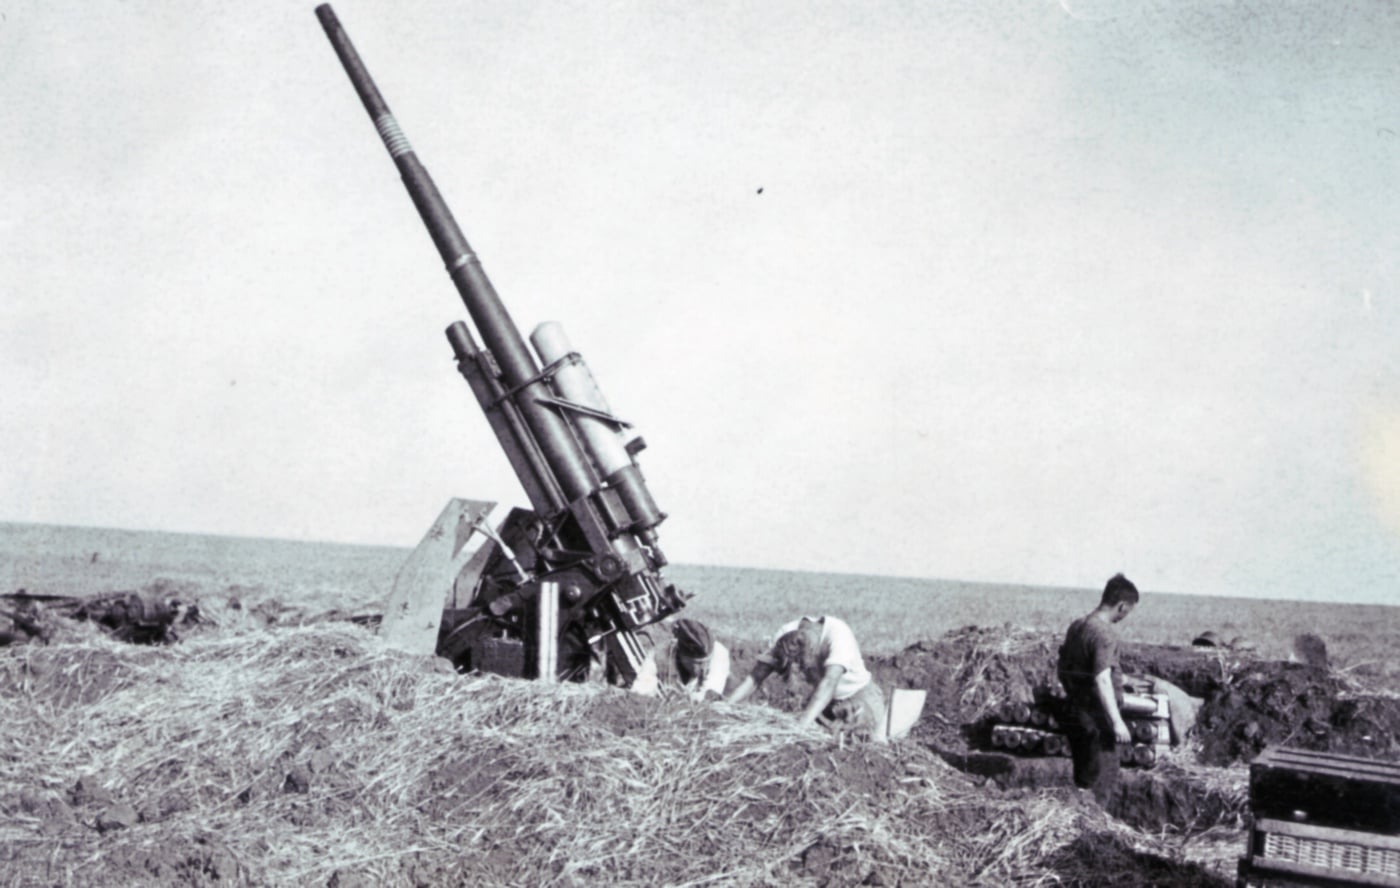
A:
[983,675]
[314,756]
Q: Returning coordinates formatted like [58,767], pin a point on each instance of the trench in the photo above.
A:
[1246,704]
[1164,797]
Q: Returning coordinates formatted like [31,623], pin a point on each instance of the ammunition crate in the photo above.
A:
[1322,819]
[1303,854]
[1339,791]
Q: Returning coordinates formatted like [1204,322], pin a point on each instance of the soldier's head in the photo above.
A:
[693,641]
[1120,596]
[790,650]
[796,648]
[693,647]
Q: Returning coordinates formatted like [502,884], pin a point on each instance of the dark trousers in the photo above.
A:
[1094,752]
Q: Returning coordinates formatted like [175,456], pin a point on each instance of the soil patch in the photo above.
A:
[1180,797]
[1112,860]
[1292,704]
[311,755]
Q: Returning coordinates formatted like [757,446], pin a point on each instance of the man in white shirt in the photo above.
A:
[825,652]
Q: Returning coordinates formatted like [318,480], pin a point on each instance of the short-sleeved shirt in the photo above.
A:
[1090,647]
[716,672]
[837,647]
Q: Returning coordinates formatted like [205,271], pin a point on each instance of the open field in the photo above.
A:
[273,747]
[888,613]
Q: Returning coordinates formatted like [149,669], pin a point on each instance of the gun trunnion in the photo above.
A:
[590,542]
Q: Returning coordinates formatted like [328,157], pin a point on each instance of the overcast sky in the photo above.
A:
[1022,291]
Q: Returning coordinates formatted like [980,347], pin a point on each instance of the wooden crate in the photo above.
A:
[1251,876]
[1322,819]
[1340,791]
[1308,854]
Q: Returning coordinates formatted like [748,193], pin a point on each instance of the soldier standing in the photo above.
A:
[1093,683]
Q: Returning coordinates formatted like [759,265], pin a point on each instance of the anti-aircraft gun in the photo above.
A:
[582,571]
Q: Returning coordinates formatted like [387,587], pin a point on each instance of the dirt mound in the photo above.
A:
[967,673]
[1249,702]
[61,678]
[1182,797]
[314,756]
[1113,860]
[1293,704]
[1200,672]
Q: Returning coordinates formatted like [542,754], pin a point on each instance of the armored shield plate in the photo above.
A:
[414,611]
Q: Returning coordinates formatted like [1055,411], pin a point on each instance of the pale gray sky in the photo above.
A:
[1033,292]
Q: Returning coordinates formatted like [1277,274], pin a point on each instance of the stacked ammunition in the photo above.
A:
[1029,728]
[1034,728]
[1146,715]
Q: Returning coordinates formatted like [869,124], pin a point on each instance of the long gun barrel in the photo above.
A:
[494,323]
[597,519]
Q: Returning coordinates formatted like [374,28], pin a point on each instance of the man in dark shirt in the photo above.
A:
[1089,672]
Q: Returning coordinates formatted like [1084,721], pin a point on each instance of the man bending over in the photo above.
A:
[824,651]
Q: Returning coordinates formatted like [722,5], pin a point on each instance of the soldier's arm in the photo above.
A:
[760,673]
[1103,684]
[823,694]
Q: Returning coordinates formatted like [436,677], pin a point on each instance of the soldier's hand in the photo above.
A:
[813,727]
[1121,732]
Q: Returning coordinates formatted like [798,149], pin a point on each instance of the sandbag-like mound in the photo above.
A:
[314,756]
